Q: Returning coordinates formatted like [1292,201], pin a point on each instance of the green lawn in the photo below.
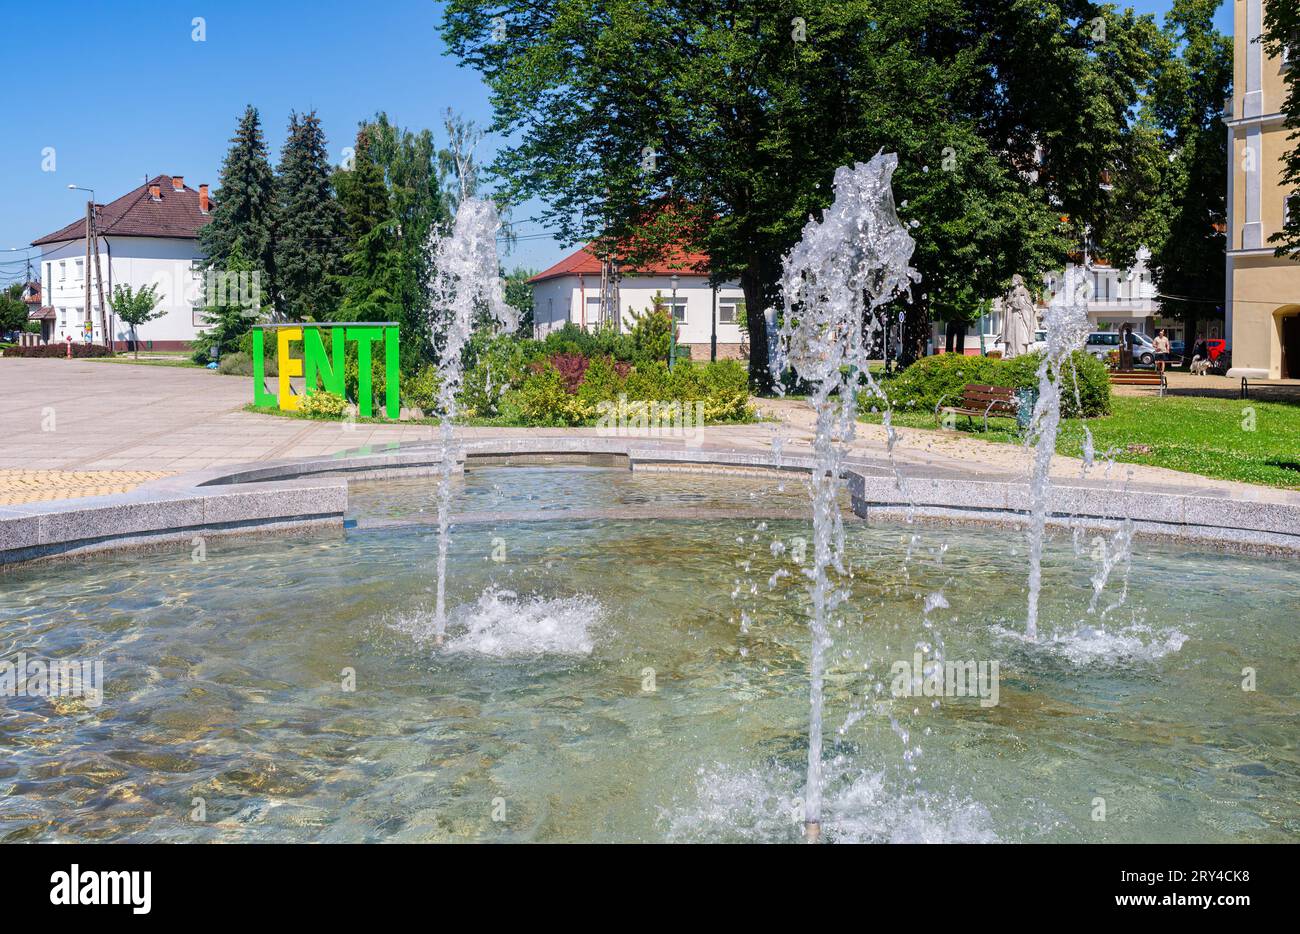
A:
[181,360]
[1229,439]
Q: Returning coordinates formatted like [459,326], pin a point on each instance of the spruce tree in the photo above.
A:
[245,205]
[372,285]
[309,227]
[1282,39]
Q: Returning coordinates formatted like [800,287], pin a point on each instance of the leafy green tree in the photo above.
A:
[1282,39]
[413,172]
[721,125]
[136,308]
[13,311]
[519,296]
[245,205]
[1174,187]
[309,231]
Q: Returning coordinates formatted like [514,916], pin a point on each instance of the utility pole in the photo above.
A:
[90,207]
[99,284]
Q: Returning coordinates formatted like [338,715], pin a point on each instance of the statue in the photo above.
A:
[1019,320]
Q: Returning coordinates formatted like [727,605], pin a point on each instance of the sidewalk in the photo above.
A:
[79,428]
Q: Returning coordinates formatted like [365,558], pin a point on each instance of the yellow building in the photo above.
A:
[1263,291]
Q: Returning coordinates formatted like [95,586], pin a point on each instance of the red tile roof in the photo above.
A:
[136,214]
[585,262]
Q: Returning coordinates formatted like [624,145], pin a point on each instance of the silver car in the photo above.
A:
[1101,343]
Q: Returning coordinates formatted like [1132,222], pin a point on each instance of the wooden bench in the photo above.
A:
[997,401]
[1149,378]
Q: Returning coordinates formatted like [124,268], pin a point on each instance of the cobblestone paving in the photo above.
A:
[33,486]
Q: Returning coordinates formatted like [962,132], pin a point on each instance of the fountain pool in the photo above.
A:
[635,668]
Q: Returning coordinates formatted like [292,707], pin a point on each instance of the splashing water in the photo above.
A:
[1067,329]
[466,283]
[501,624]
[848,264]
[761,804]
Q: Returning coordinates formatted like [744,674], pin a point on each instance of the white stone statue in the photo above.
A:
[1018,319]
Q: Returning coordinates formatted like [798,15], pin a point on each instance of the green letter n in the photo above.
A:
[315,360]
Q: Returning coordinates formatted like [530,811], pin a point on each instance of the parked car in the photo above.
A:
[1101,343]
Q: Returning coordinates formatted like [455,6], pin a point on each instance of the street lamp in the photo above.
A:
[672,332]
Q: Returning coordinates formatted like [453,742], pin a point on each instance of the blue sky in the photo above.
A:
[121,91]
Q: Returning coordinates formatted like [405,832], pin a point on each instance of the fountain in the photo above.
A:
[466,283]
[1067,329]
[849,263]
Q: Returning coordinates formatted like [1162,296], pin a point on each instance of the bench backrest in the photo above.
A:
[1135,376]
[975,396]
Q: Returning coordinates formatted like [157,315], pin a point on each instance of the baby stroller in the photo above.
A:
[1210,356]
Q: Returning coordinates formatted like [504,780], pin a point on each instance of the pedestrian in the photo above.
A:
[1161,345]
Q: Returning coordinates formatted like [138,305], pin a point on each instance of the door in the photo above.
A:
[1291,347]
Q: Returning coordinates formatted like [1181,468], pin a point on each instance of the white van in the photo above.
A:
[1101,343]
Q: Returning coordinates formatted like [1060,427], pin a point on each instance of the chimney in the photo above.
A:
[203,198]
[155,192]
[178,182]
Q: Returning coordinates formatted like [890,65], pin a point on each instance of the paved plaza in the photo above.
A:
[74,428]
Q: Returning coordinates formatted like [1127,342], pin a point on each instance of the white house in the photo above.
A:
[148,236]
[1115,297]
[1122,296]
[570,291]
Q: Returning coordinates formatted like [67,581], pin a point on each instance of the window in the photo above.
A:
[731,310]
[593,310]
[80,272]
[63,318]
[678,307]
[63,272]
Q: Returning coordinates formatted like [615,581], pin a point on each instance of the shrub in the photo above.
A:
[323,404]
[602,381]
[237,364]
[939,380]
[726,387]
[59,350]
[420,390]
[543,399]
[493,365]
[648,380]
[651,333]
[572,367]
[603,340]
[1093,381]
[378,374]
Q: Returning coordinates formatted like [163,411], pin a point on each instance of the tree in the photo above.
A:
[309,229]
[1181,182]
[229,310]
[372,286]
[413,171]
[13,311]
[1282,39]
[519,296]
[136,308]
[720,126]
[245,205]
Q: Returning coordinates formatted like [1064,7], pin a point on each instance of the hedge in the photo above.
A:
[938,380]
[59,350]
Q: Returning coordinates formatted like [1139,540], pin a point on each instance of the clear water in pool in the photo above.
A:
[641,678]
